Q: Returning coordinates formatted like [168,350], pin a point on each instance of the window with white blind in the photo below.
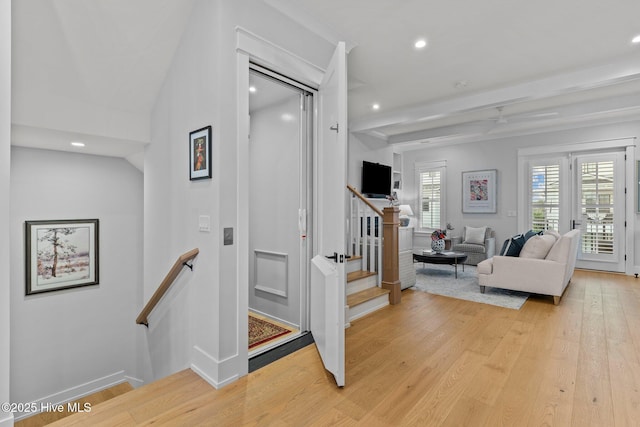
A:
[544,201]
[430,180]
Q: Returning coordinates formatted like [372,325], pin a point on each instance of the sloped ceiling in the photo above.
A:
[90,70]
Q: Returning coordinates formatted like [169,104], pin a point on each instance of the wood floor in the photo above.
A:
[87,402]
[434,361]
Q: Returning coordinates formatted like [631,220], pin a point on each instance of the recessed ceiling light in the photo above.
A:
[419,44]
[252,89]
[77,144]
[636,39]
[376,106]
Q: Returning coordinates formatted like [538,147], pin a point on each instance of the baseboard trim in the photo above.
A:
[77,392]
[8,421]
[211,369]
[135,382]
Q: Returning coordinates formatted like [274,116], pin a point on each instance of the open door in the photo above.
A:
[328,274]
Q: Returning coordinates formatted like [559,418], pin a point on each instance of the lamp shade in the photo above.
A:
[405,210]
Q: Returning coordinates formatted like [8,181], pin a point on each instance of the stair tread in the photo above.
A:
[366,295]
[354,258]
[360,274]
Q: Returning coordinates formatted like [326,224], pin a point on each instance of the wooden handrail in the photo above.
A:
[364,199]
[166,284]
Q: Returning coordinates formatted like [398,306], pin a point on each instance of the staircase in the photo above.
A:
[372,271]
[363,294]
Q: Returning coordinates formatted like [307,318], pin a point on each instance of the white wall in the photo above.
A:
[502,155]
[6,419]
[200,90]
[67,343]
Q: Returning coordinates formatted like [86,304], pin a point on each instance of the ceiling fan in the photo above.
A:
[502,119]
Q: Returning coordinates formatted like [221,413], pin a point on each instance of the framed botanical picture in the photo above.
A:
[479,193]
[200,153]
[61,254]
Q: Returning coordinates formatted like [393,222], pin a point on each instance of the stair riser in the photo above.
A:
[365,308]
[354,265]
[361,284]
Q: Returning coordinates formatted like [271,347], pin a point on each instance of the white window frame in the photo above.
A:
[421,167]
[564,199]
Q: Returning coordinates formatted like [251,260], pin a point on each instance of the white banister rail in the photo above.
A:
[365,233]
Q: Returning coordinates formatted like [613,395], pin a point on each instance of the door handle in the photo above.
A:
[336,258]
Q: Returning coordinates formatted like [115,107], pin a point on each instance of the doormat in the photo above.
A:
[262,331]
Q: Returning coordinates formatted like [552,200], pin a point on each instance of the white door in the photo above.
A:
[599,211]
[328,276]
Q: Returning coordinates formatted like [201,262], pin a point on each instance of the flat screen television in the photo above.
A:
[376,180]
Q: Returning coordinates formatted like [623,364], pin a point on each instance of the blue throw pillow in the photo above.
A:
[513,246]
[531,233]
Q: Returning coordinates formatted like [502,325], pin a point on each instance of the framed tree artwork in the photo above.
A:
[61,254]
[200,154]
[479,193]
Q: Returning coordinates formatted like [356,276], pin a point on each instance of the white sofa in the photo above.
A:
[549,275]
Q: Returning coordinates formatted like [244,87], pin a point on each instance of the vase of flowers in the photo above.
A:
[437,240]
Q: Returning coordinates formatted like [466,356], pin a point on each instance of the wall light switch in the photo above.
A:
[228,236]
[204,223]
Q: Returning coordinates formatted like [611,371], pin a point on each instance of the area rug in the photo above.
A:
[440,280]
[261,331]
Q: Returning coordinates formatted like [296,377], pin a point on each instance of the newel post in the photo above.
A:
[390,254]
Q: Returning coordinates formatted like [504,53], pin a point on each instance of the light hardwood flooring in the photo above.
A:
[434,361]
[45,418]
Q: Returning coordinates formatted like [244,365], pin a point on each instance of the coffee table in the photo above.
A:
[446,257]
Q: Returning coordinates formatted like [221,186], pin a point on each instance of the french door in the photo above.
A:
[599,210]
[585,191]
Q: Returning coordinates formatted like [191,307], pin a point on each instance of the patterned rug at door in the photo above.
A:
[261,331]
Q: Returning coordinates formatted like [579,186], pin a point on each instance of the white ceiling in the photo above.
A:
[91,69]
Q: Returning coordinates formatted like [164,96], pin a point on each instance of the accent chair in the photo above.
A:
[478,243]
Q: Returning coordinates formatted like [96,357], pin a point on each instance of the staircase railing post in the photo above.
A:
[391,259]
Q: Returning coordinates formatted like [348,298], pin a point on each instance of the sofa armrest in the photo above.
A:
[490,246]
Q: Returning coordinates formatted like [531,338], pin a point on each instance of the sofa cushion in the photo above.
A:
[554,233]
[537,246]
[470,248]
[513,246]
[475,235]
[560,249]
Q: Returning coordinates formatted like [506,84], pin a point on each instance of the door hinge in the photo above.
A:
[625,190]
[625,257]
